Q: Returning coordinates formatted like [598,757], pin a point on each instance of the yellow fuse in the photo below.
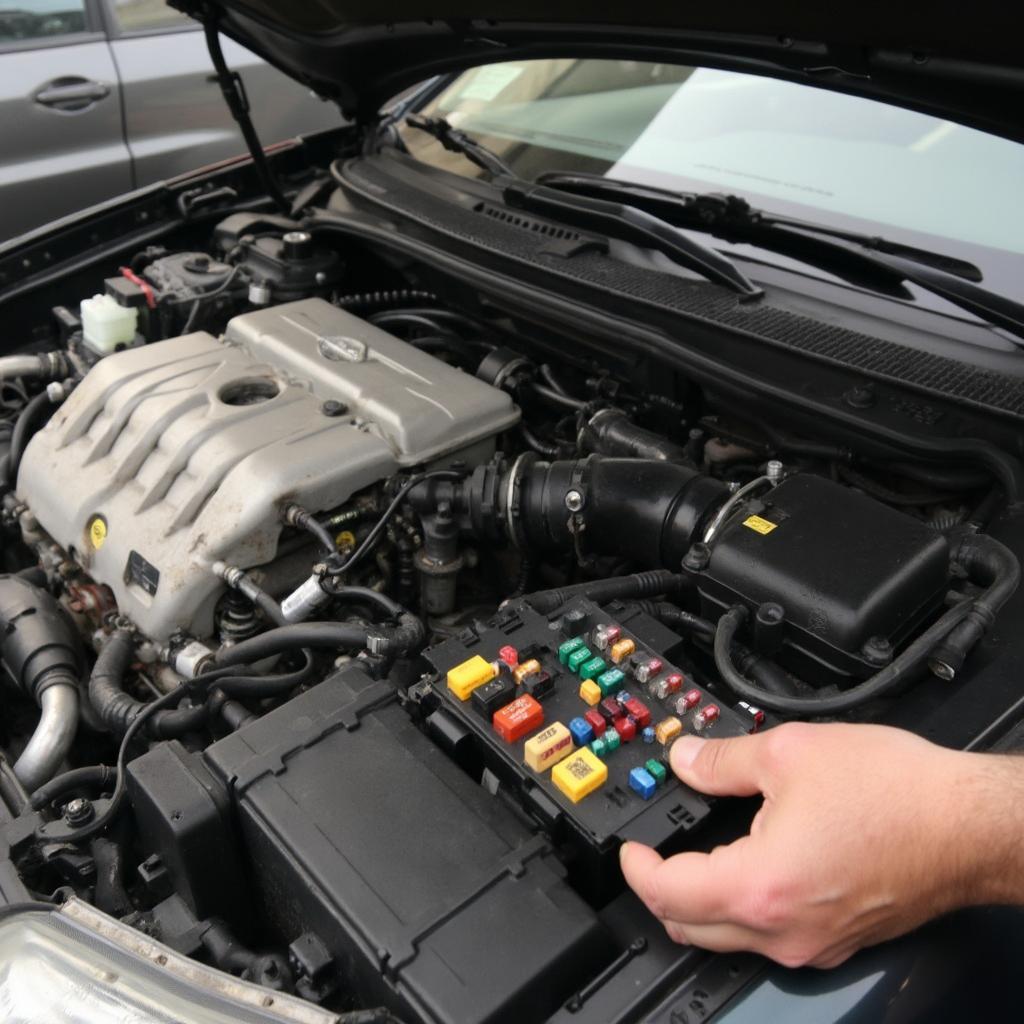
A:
[528,668]
[548,747]
[465,678]
[579,775]
[667,730]
[590,692]
[622,650]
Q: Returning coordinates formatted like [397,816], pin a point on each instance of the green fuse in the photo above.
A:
[612,739]
[574,660]
[599,747]
[568,647]
[657,769]
[611,681]
[592,669]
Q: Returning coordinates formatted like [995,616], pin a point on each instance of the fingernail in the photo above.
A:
[622,852]
[684,752]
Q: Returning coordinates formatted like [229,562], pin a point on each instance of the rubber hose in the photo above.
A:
[623,588]
[97,776]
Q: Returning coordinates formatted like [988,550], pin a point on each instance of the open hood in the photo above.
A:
[942,57]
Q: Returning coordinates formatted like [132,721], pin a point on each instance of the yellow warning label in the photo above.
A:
[759,525]
[97,531]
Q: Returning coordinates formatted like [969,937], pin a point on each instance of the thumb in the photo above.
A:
[728,767]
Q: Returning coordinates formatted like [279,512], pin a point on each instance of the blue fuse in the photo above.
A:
[582,731]
[642,781]
[648,734]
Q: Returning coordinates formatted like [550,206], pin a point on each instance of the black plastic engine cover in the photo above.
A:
[430,893]
[845,569]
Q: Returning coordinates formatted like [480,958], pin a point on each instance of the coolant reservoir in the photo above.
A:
[107,326]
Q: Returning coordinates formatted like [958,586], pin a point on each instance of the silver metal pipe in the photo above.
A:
[50,743]
[23,366]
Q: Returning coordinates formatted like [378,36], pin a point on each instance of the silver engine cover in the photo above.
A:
[172,456]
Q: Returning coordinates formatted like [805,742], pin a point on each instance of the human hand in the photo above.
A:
[865,832]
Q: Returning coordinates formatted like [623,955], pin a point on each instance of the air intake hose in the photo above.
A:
[646,510]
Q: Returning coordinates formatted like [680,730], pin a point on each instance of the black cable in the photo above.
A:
[880,684]
[624,588]
[27,423]
[365,595]
[94,776]
[238,103]
[555,397]
[277,685]
[374,535]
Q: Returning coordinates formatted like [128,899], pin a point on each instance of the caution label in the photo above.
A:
[759,524]
[97,531]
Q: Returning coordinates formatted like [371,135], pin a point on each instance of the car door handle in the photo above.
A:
[71,94]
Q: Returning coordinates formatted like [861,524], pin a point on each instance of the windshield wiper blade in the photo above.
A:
[457,141]
[610,218]
[733,219]
[630,224]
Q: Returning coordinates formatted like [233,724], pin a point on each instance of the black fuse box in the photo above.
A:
[844,568]
[595,825]
[429,892]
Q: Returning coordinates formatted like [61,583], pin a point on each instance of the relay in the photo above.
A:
[575,711]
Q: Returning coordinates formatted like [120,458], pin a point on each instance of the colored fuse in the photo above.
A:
[621,650]
[647,670]
[609,707]
[527,668]
[622,696]
[688,702]
[548,747]
[612,740]
[590,692]
[756,715]
[515,720]
[666,687]
[599,747]
[465,678]
[564,650]
[642,781]
[582,731]
[648,734]
[605,636]
[493,695]
[626,728]
[592,668]
[509,655]
[638,711]
[596,721]
[610,681]
[657,769]
[577,658]
[707,715]
[579,775]
[667,730]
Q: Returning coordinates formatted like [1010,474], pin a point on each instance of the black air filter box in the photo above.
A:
[845,569]
[429,892]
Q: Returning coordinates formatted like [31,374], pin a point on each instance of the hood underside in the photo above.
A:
[956,61]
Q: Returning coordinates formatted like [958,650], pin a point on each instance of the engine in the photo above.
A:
[173,457]
[350,614]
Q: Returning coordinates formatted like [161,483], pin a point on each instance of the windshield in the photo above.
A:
[842,160]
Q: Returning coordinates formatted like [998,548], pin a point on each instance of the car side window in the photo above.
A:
[24,21]
[147,16]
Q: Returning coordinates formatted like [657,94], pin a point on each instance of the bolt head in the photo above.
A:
[77,811]
[574,500]
[333,408]
[697,558]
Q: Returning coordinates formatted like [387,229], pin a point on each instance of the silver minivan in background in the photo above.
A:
[98,97]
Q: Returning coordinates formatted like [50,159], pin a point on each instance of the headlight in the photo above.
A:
[75,965]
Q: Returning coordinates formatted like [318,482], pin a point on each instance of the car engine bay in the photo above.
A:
[348,625]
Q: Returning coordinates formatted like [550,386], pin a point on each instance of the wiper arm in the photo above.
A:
[612,218]
[733,219]
[457,141]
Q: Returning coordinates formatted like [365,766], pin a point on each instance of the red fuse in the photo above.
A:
[626,728]
[596,721]
[515,720]
[610,708]
[638,710]
[509,655]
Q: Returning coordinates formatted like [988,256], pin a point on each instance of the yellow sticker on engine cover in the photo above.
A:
[97,531]
[759,525]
